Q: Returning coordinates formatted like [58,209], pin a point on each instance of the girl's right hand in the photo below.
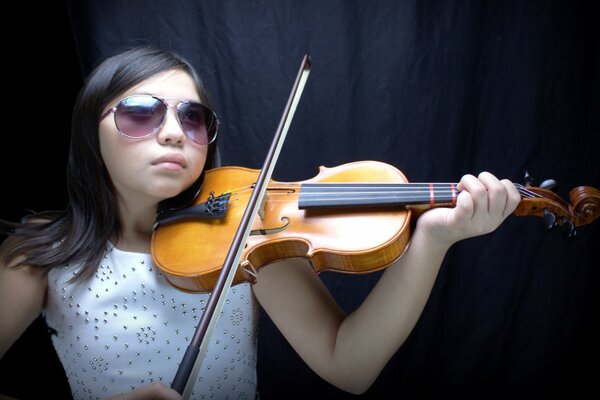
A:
[153,391]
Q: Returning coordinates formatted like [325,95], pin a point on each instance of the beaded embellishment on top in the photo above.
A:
[128,327]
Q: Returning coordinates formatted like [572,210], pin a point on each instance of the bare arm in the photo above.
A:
[22,296]
[350,351]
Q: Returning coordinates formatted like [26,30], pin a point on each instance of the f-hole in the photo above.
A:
[285,222]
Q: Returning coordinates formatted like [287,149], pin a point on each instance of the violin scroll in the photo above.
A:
[586,203]
[583,209]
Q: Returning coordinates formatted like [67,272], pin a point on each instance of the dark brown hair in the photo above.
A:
[79,234]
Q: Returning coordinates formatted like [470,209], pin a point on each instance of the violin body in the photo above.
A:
[347,239]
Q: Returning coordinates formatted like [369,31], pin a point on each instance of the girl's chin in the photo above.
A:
[167,194]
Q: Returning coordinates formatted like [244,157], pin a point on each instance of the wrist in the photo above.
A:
[433,236]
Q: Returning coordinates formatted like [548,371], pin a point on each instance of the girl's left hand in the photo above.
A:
[481,206]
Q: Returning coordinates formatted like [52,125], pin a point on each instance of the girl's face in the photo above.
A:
[162,165]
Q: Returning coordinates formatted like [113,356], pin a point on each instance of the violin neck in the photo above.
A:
[421,195]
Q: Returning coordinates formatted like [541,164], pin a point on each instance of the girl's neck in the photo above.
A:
[135,228]
[132,242]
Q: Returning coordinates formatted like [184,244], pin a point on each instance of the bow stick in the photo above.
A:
[196,350]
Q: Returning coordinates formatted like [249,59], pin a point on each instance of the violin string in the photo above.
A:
[424,196]
[526,192]
[368,188]
[388,194]
[393,192]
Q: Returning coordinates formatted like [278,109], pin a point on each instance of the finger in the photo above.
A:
[478,193]
[497,195]
[514,197]
[465,207]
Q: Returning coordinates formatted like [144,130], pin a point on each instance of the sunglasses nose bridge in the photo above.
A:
[170,126]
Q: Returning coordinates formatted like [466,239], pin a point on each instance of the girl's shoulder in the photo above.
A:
[22,294]
[13,266]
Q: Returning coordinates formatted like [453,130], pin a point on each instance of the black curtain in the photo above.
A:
[437,89]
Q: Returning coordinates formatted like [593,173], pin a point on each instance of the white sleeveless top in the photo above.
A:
[128,327]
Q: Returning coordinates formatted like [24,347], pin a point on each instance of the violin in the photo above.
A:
[353,218]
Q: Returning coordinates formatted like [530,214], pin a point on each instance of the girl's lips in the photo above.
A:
[174,161]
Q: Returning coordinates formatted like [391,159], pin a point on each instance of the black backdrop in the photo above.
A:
[437,89]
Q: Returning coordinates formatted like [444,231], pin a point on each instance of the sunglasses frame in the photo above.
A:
[163,100]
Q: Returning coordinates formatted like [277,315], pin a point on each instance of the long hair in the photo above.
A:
[78,235]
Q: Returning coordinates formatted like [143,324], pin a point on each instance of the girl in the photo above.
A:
[143,130]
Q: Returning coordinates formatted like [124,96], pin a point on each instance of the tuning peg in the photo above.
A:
[568,230]
[527,179]
[549,220]
[549,184]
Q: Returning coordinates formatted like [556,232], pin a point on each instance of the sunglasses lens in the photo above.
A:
[198,122]
[139,116]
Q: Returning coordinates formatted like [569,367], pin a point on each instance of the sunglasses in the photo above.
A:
[140,116]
